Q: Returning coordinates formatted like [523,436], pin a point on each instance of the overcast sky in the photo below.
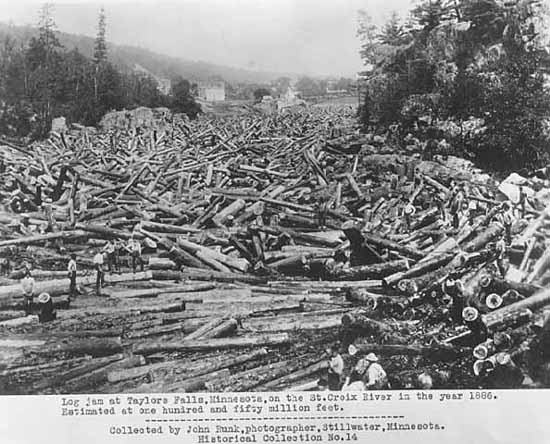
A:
[299,36]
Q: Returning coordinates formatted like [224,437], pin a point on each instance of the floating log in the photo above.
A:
[213,344]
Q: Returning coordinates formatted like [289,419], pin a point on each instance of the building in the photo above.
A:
[164,86]
[212,91]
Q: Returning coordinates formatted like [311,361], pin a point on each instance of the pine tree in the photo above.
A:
[100,51]
[100,47]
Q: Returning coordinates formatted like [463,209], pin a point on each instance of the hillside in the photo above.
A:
[159,64]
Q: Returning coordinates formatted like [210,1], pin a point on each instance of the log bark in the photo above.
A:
[213,344]
[374,271]
[438,352]
[394,246]
[96,347]
[489,234]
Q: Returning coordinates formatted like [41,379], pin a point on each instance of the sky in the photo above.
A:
[296,36]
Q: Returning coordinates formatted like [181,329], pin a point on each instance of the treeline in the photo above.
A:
[40,80]
[473,72]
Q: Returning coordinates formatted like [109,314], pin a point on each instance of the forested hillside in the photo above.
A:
[468,71]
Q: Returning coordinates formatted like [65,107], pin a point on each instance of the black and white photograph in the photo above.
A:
[274,196]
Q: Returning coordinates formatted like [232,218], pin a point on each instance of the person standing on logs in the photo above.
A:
[376,378]
[27,285]
[134,248]
[500,250]
[473,320]
[408,213]
[454,289]
[100,277]
[522,201]
[335,370]
[112,259]
[456,206]
[5,266]
[47,313]
[440,199]
[507,221]
[71,269]
[119,249]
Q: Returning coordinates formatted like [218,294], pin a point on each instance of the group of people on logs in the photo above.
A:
[111,255]
[367,374]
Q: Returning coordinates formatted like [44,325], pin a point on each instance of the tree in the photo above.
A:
[464,61]
[260,93]
[310,87]
[100,50]
[182,100]
[100,46]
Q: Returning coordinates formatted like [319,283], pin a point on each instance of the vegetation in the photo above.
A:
[260,93]
[40,80]
[473,71]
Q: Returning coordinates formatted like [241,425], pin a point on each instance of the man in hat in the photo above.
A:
[135,250]
[47,313]
[100,278]
[354,382]
[5,266]
[336,369]
[408,212]
[27,285]
[112,259]
[71,269]
[375,377]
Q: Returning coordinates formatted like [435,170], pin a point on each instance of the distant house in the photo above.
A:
[164,86]
[211,91]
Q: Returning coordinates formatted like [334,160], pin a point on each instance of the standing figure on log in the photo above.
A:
[135,250]
[100,277]
[376,378]
[27,285]
[71,269]
[112,256]
[119,249]
[454,289]
[335,370]
[47,313]
[500,250]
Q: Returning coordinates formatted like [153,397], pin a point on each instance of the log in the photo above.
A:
[96,347]
[41,238]
[374,271]
[540,266]
[204,329]
[197,383]
[161,263]
[293,322]
[230,210]
[491,233]
[436,352]
[499,285]
[247,380]
[134,373]
[205,275]
[284,382]
[418,270]
[83,369]
[61,286]
[394,246]
[99,376]
[357,320]
[154,292]
[226,328]
[148,348]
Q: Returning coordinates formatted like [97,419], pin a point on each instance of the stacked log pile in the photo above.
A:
[266,240]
